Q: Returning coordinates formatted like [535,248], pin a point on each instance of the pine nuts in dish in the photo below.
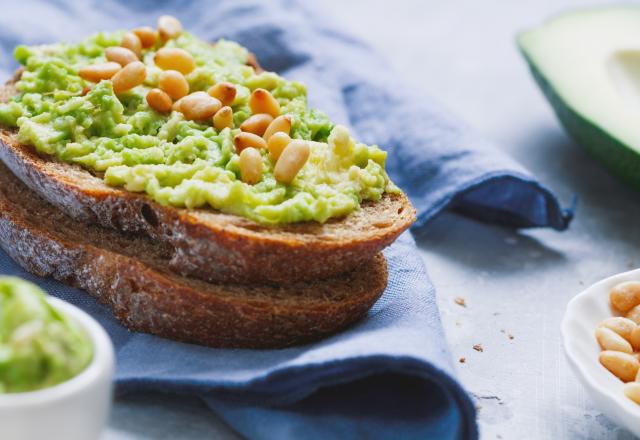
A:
[632,391]
[610,340]
[634,314]
[623,365]
[625,296]
[619,338]
[634,338]
[622,326]
[98,72]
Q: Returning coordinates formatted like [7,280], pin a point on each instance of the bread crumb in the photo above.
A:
[460,301]
[509,335]
[478,347]
[462,360]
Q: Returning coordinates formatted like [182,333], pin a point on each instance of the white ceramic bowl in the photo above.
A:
[73,410]
[584,313]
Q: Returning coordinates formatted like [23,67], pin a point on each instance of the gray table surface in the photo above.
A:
[515,283]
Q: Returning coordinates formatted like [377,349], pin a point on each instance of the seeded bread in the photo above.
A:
[208,244]
[130,274]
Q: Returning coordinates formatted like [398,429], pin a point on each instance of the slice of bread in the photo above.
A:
[208,244]
[130,273]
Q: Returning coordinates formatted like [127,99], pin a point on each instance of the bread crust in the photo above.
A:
[208,244]
[129,273]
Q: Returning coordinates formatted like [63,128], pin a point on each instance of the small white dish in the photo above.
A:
[77,409]
[584,312]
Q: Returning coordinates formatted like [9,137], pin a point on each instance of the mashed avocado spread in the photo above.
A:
[39,346]
[186,163]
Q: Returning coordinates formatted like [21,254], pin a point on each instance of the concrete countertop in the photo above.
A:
[515,284]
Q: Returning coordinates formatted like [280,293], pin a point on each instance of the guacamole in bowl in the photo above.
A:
[40,346]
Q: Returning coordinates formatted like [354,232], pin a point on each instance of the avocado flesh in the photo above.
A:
[587,63]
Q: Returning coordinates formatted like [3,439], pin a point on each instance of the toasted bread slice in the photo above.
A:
[208,244]
[130,274]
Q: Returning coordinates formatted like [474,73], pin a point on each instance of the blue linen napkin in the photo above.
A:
[389,376]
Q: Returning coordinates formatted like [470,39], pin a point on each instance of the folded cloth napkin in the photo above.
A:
[390,376]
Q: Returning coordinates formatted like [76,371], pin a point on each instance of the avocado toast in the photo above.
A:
[338,212]
[194,193]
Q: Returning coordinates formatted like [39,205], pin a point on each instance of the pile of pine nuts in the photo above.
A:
[619,338]
[266,129]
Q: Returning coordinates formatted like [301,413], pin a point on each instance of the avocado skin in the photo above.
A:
[618,158]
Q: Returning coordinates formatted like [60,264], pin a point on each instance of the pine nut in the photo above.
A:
[632,391]
[176,107]
[146,35]
[621,326]
[169,27]
[223,118]
[173,58]
[276,143]
[173,83]
[634,314]
[634,338]
[250,166]
[132,42]
[610,340]
[257,124]
[225,92]
[245,140]
[625,296]
[623,365]
[98,72]
[199,106]
[159,101]
[291,161]
[280,124]
[120,55]
[130,76]
[261,101]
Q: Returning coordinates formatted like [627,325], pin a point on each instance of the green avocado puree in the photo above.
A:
[39,346]
[185,163]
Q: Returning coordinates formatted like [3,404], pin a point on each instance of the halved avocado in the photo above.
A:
[587,63]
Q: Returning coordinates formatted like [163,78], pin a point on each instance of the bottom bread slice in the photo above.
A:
[130,273]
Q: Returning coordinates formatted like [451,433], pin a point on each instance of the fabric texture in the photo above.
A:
[389,376]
